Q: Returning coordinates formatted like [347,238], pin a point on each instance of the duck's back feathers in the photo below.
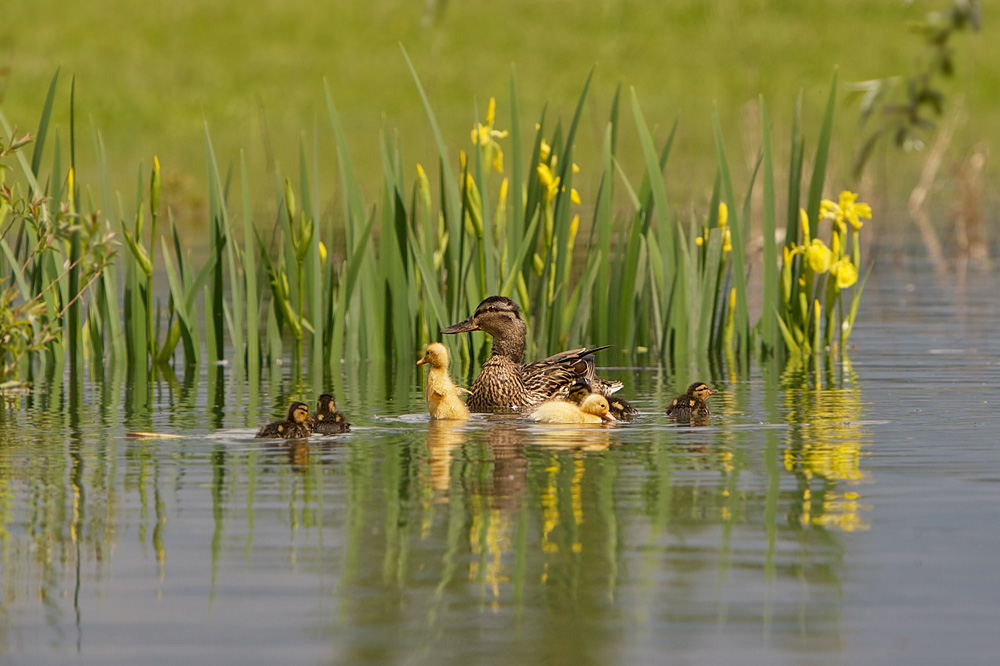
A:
[331,424]
[283,429]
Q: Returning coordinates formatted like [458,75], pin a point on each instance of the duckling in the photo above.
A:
[620,408]
[295,425]
[692,404]
[442,394]
[328,421]
[504,385]
[593,410]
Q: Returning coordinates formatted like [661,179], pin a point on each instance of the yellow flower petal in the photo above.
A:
[819,256]
[845,272]
[491,112]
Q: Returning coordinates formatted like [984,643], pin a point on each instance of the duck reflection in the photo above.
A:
[571,438]
[443,437]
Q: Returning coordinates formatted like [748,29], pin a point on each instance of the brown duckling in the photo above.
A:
[295,426]
[504,385]
[692,404]
[443,401]
[328,421]
[593,410]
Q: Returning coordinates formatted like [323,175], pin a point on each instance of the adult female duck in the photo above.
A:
[504,385]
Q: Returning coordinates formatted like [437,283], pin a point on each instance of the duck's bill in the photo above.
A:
[609,417]
[461,327]
[422,361]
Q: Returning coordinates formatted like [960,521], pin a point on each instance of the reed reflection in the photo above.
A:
[826,444]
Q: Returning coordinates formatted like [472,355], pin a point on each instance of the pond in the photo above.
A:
[841,512]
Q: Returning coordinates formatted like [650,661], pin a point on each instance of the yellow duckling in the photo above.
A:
[594,409]
[442,394]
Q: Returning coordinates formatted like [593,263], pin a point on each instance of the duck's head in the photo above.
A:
[436,354]
[500,317]
[298,412]
[578,391]
[325,405]
[700,390]
[597,405]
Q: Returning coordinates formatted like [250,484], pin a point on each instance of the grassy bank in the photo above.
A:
[255,76]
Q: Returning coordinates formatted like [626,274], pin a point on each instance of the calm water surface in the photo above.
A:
[840,513]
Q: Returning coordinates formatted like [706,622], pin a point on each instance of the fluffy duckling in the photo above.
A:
[620,408]
[442,394]
[295,426]
[692,404]
[328,420]
[593,410]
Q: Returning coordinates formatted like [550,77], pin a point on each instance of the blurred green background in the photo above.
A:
[149,75]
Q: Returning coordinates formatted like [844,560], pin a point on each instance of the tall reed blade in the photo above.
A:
[768,327]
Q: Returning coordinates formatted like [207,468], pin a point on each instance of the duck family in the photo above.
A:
[505,385]
[562,388]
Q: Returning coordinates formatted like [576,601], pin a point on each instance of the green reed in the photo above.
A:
[494,219]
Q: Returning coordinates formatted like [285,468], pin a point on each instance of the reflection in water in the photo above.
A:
[428,533]
[824,449]
[443,437]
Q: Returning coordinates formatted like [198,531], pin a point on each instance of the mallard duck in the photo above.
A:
[442,394]
[692,404]
[295,426]
[593,410]
[620,408]
[328,421]
[504,385]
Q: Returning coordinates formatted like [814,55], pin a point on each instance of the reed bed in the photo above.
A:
[491,219]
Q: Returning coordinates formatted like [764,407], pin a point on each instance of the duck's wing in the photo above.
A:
[552,376]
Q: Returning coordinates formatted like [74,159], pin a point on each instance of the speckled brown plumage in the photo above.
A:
[295,425]
[505,385]
[691,405]
[328,421]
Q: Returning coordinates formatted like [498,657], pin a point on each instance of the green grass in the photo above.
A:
[170,68]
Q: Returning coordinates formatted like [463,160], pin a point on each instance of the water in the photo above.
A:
[845,513]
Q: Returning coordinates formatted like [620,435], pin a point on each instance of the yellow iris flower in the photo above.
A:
[544,151]
[549,182]
[819,256]
[485,136]
[845,272]
[846,209]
